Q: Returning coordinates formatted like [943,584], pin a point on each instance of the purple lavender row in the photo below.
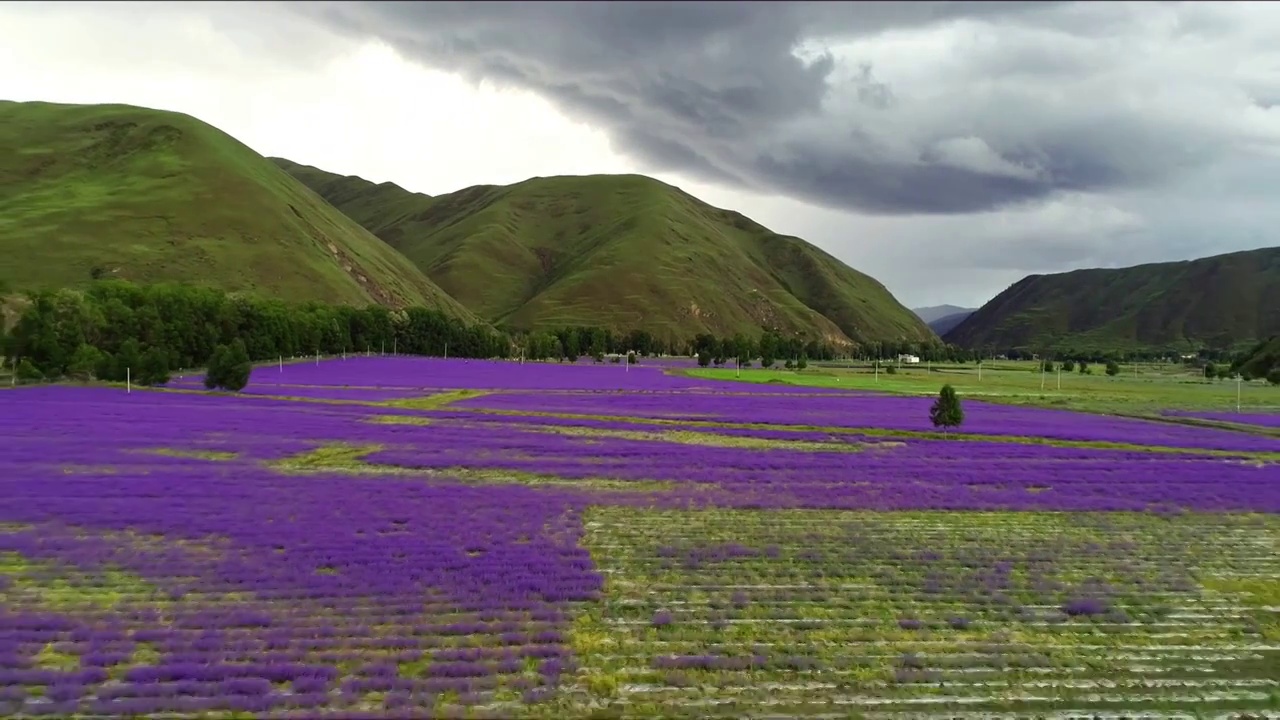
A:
[892,413]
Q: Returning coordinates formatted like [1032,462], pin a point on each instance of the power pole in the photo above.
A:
[1238,378]
[128,382]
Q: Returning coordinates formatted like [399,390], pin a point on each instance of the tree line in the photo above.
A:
[115,329]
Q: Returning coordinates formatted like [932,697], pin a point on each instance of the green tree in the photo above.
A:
[215,368]
[1113,368]
[704,358]
[153,367]
[1210,371]
[1085,369]
[128,361]
[228,368]
[85,362]
[27,371]
[236,372]
[1224,372]
[1273,377]
[802,363]
[1068,366]
[1048,366]
[946,411]
[631,358]
[789,365]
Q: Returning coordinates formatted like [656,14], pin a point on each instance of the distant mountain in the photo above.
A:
[1224,301]
[937,312]
[619,251]
[91,191]
[944,324]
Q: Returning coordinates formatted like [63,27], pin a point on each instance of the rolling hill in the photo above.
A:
[146,195]
[619,251]
[1224,301]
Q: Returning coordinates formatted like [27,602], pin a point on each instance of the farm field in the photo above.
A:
[409,537]
[1148,389]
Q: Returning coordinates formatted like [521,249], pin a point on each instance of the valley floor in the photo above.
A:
[398,537]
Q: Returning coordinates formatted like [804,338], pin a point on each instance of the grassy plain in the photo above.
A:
[1143,389]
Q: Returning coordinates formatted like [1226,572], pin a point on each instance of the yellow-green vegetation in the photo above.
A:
[146,195]
[333,457]
[1144,389]
[1216,300]
[711,439]
[438,401]
[57,587]
[933,613]
[617,251]
[215,455]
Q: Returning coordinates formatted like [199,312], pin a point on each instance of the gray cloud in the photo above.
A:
[887,108]
[953,146]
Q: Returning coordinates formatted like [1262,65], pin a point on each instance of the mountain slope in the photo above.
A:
[147,195]
[620,251]
[944,324]
[1262,359]
[1221,302]
[937,312]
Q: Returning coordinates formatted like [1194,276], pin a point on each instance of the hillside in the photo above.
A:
[1261,360]
[621,251]
[1223,301]
[146,195]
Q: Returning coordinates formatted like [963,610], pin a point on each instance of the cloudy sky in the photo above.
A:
[948,149]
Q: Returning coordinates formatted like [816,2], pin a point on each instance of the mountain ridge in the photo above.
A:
[94,191]
[617,250]
[1222,301]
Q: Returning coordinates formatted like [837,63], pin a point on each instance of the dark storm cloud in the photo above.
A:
[753,93]
[1003,137]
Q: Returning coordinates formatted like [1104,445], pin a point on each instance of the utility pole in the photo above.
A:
[281,363]
[128,382]
[446,351]
[876,364]
[317,357]
[1042,375]
[1238,378]
[1059,377]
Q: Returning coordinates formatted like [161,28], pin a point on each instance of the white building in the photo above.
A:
[909,359]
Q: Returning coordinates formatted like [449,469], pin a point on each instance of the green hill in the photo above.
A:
[146,195]
[1262,360]
[619,251]
[1224,302]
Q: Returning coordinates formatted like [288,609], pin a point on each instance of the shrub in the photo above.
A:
[1113,368]
[946,411]
[704,358]
[1273,377]
[27,372]
[1068,366]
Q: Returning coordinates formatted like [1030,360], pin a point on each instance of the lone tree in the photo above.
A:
[704,358]
[1273,377]
[946,411]
[229,368]
[1210,371]
[1113,368]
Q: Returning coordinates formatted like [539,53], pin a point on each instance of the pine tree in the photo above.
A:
[946,411]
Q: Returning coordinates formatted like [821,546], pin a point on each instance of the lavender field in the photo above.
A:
[395,537]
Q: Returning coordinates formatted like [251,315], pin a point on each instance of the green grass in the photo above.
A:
[621,251]
[1144,390]
[1222,301]
[148,195]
